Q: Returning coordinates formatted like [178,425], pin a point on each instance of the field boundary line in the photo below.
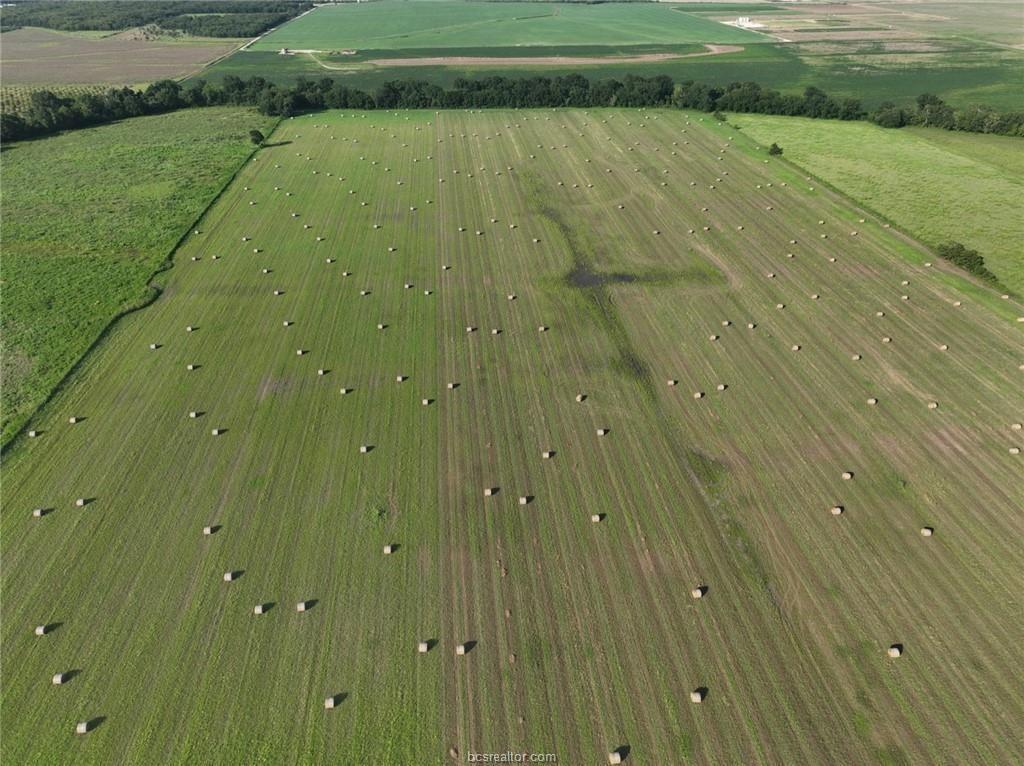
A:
[906,237]
[154,292]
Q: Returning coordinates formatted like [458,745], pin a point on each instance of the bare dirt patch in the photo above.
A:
[712,50]
[39,56]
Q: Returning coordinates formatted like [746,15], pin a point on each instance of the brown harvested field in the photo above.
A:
[712,50]
[33,56]
[829,34]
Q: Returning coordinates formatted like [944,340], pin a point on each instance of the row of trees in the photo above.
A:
[751,98]
[931,111]
[48,112]
[204,18]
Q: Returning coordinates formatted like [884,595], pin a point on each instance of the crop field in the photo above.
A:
[647,421]
[939,185]
[33,56]
[872,51]
[88,217]
[444,24]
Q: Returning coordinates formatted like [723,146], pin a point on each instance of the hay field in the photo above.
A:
[584,637]
[390,24]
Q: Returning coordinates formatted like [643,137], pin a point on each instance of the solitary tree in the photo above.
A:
[256,137]
[774,150]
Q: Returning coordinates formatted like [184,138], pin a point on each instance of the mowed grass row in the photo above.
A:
[586,634]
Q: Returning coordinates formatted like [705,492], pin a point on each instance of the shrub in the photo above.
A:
[967,259]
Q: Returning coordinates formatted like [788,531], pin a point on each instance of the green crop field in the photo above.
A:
[690,333]
[938,185]
[88,217]
[444,24]
[962,78]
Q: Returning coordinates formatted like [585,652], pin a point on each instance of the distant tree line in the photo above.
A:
[48,112]
[932,112]
[751,98]
[202,18]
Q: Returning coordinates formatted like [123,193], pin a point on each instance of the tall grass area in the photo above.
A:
[937,185]
[88,217]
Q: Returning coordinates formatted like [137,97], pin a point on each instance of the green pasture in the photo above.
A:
[400,24]
[88,217]
[938,185]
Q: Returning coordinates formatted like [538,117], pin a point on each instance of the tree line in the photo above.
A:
[48,112]
[930,111]
[202,18]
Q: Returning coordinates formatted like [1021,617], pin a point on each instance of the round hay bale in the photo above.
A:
[927,531]
[896,650]
[836,510]
[847,475]
[697,696]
